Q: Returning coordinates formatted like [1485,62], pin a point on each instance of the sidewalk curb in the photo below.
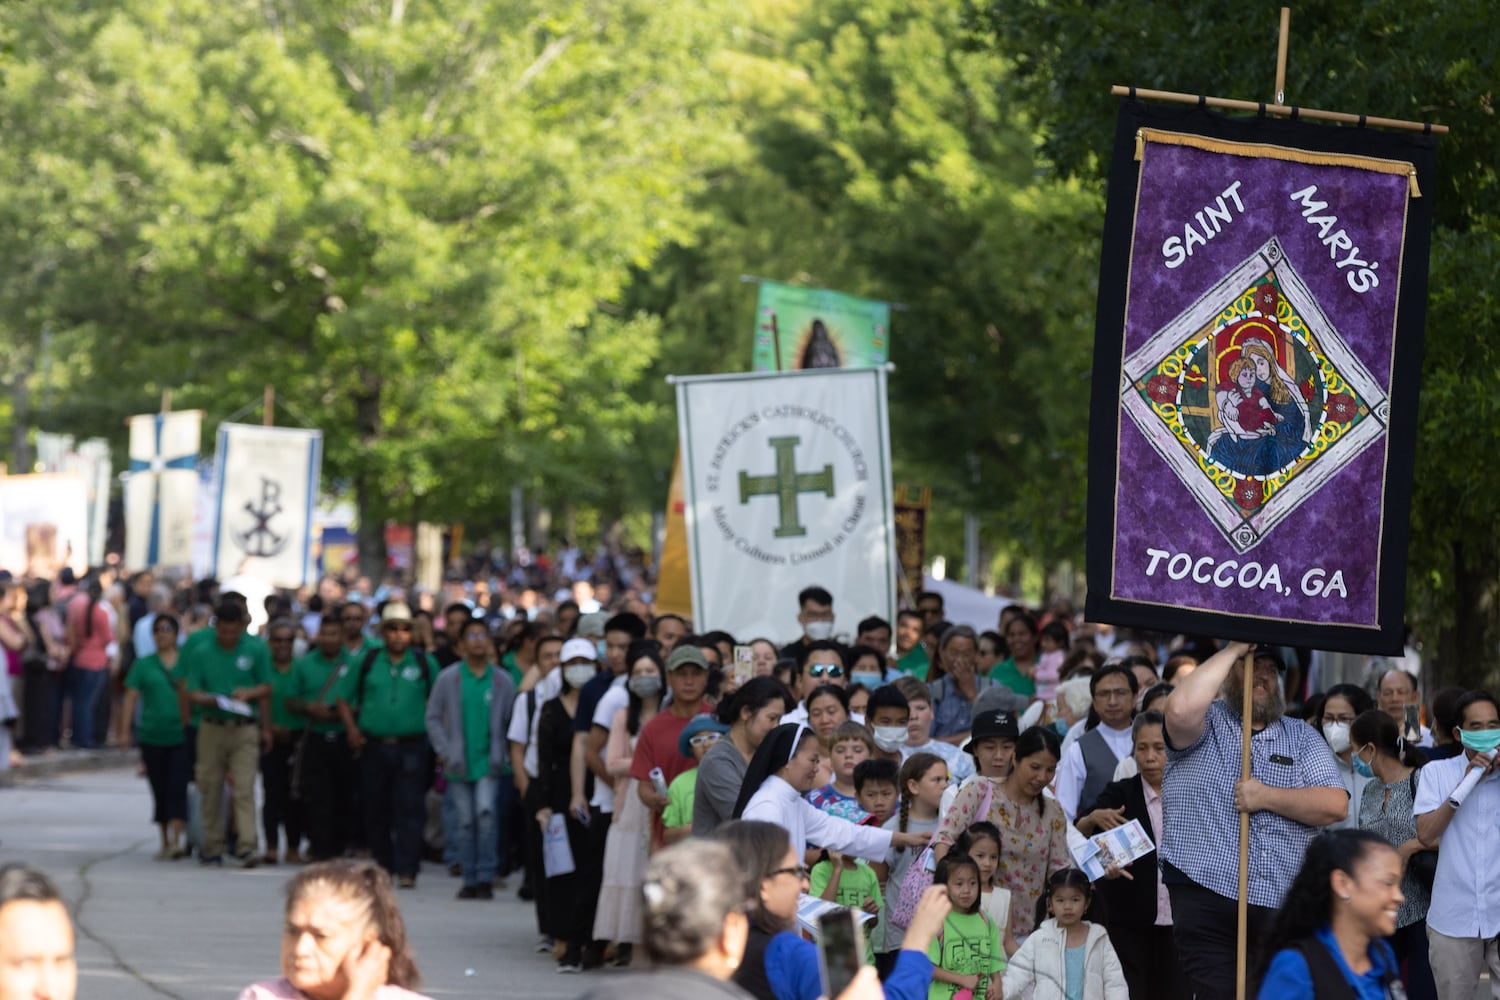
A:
[67,762]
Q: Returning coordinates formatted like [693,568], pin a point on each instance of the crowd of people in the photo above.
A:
[588,747]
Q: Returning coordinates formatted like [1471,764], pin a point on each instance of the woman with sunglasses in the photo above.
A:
[778,964]
[785,768]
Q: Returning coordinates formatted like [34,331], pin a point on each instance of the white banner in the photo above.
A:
[787,485]
[161,489]
[44,524]
[268,481]
[90,460]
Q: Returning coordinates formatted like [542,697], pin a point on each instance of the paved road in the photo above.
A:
[150,929]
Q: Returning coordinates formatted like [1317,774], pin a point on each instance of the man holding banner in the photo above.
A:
[1295,787]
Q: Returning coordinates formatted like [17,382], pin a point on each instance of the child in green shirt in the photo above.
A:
[698,736]
[849,882]
[967,954]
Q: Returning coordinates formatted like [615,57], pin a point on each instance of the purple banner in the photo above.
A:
[1249,366]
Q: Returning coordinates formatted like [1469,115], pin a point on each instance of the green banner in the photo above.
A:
[799,328]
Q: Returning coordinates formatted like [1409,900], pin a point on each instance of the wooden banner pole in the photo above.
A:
[1286,20]
[166,401]
[268,407]
[1243,922]
[776,341]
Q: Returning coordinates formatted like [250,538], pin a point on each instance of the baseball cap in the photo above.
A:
[395,611]
[686,656]
[991,725]
[698,724]
[1272,653]
[579,649]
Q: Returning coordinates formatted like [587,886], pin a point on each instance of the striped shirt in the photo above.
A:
[1200,827]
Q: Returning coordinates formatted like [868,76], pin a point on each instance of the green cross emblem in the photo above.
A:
[786,484]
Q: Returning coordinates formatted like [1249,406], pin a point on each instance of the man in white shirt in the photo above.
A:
[1464,918]
[1089,763]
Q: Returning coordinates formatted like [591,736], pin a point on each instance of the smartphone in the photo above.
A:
[744,665]
[840,950]
[1411,724]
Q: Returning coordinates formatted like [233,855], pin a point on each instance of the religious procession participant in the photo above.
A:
[751,714]
[1295,788]
[522,737]
[36,938]
[1089,764]
[1398,689]
[1463,923]
[1018,670]
[821,665]
[1345,703]
[229,677]
[467,718]
[815,615]
[959,686]
[153,680]
[281,810]
[354,616]
[919,731]
[383,704]
[656,750]
[328,774]
[911,655]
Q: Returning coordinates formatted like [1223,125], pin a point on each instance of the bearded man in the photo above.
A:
[1294,788]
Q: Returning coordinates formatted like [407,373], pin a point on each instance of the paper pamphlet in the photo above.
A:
[810,908]
[1121,846]
[234,706]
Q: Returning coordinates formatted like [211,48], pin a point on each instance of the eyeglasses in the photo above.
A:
[704,740]
[801,873]
[823,669]
[353,618]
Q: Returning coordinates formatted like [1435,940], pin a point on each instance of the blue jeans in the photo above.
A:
[507,809]
[474,810]
[450,829]
[82,687]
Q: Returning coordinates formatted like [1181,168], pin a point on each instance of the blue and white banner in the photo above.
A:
[268,483]
[787,485]
[161,489]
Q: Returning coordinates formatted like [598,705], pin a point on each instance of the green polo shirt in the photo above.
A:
[476,694]
[681,794]
[395,695]
[915,662]
[161,722]
[309,674]
[508,661]
[282,687]
[211,668]
[1006,672]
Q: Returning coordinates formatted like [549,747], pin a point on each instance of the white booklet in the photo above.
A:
[1121,846]
[810,908]
[234,706]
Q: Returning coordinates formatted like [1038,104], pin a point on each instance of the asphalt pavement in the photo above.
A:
[150,929]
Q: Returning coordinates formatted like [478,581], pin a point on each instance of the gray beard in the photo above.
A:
[1262,714]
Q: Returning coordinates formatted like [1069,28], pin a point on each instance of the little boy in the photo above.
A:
[875,788]
[697,738]
[849,882]
[887,715]
[851,747]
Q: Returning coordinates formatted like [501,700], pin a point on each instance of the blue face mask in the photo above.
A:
[1360,767]
[1060,727]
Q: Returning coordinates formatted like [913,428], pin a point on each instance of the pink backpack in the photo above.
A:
[918,878]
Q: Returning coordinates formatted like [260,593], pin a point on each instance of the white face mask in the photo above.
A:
[818,631]
[890,738]
[299,647]
[578,674]
[1337,735]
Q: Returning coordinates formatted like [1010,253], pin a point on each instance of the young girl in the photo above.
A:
[966,957]
[981,841]
[920,782]
[1066,957]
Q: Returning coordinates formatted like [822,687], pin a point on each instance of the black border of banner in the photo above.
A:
[1406,369]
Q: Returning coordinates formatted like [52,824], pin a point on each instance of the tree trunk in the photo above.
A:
[372,554]
[20,396]
[1467,652]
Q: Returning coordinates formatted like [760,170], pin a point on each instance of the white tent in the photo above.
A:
[967,606]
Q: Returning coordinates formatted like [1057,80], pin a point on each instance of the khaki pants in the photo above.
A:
[1457,963]
[232,750]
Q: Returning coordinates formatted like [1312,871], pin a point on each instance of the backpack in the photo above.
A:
[918,877]
[369,661]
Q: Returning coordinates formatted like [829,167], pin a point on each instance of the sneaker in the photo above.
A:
[455,871]
[483,891]
[544,945]
[217,861]
[623,955]
[245,860]
[570,963]
[469,892]
[407,881]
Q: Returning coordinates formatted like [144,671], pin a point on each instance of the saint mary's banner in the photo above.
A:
[787,485]
[268,483]
[797,328]
[1257,358]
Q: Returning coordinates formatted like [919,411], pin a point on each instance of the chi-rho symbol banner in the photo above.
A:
[1257,359]
[787,485]
[268,486]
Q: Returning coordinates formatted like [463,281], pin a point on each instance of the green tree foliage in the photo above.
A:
[1421,61]
[412,218]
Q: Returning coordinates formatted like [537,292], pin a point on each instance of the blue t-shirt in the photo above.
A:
[792,971]
[1073,963]
[1288,977]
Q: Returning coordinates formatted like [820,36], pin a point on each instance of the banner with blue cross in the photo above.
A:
[161,488]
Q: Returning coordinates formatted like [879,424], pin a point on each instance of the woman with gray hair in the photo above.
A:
[693,927]
[958,687]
